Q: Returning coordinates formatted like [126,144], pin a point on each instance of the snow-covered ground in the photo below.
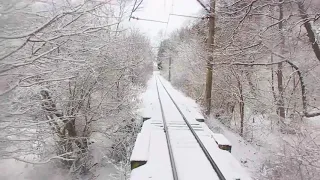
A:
[265,150]
[12,169]
[250,156]
[191,110]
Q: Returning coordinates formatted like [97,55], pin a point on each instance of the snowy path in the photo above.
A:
[188,159]
[186,149]
[251,156]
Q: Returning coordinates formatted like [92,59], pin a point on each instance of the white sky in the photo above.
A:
[160,10]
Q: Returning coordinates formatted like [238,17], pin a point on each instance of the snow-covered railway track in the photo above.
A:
[176,144]
[190,129]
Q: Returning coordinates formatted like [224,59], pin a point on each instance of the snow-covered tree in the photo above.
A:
[265,64]
[70,74]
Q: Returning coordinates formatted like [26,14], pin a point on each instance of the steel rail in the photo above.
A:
[173,165]
[205,151]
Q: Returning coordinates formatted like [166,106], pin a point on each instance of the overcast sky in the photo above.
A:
[160,10]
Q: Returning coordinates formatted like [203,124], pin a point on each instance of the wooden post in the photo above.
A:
[210,43]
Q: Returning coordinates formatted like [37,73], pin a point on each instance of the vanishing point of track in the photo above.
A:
[167,134]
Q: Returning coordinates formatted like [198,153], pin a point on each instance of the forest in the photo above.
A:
[264,60]
[71,72]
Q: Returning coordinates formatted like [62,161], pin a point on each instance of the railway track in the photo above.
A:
[170,118]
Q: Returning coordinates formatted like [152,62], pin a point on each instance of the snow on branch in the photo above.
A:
[302,83]
[60,157]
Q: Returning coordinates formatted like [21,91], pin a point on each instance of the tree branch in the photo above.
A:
[307,25]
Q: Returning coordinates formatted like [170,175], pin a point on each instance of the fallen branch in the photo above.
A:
[48,160]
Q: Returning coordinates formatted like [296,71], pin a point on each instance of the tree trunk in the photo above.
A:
[210,57]
[170,61]
[280,109]
[307,25]
[272,82]
[67,133]
[241,107]
[280,104]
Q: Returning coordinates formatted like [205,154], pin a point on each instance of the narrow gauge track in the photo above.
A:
[167,134]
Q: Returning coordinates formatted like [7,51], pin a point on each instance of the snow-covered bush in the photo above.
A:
[72,75]
[296,157]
